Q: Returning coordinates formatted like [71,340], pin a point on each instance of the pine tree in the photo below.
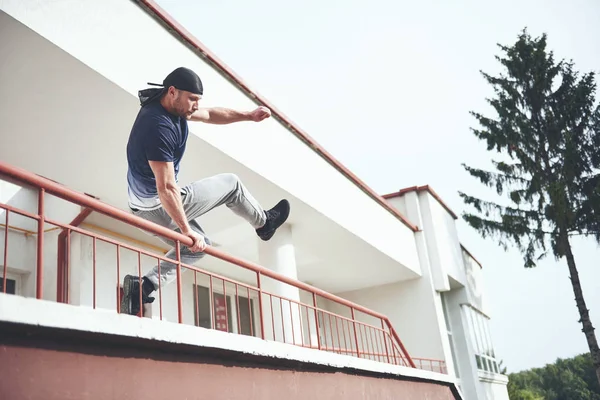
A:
[546,136]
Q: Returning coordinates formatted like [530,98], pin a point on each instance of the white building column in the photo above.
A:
[428,336]
[282,318]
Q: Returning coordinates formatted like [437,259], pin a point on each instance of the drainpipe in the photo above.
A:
[62,272]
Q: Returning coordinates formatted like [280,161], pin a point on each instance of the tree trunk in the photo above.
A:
[588,329]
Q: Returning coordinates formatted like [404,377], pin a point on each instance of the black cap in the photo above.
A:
[181,78]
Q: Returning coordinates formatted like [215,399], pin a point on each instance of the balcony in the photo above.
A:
[63,246]
[70,135]
[82,264]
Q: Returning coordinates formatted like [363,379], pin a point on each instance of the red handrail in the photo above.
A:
[58,190]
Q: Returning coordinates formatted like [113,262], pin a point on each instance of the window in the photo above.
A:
[13,282]
[479,331]
[225,312]
[11,285]
[449,332]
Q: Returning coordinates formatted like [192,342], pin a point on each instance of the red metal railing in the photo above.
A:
[429,364]
[351,329]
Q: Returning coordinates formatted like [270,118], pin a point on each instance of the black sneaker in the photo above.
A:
[276,216]
[130,303]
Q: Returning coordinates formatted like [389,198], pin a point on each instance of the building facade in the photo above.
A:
[377,284]
[455,278]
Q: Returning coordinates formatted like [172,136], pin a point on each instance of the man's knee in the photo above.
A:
[231,180]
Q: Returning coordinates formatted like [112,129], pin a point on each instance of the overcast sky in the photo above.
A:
[387,89]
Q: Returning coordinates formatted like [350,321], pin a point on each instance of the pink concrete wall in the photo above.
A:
[51,371]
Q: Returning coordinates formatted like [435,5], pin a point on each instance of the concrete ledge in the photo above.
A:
[492,377]
[46,314]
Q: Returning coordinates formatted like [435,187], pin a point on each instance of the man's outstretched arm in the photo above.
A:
[222,116]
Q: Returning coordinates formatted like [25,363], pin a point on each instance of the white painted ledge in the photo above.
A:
[491,377]
[28,311]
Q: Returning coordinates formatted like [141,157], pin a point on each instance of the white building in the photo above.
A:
[376,289]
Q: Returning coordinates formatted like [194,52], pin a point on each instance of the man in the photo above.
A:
[156,146]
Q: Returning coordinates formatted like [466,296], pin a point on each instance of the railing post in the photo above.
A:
[5,252]
[260,306]
[67,286]
[140,282]
[94,269]
[225,302]
[213,318]
[160,295]
[355,332]
[40,246]
[118,278]
[317,321]
[179,295]
[403,350]
[385,341]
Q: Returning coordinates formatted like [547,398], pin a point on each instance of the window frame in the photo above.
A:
[481,340]
[17,278]
[232,310]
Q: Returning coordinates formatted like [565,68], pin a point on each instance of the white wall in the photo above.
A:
[121,42]
[420,297]
[495,391]
[21,256]
[476,384]
[442,242]
[22,198]
[494,388]
[400,204]
[7,191]
[409,306]
[463,345]
[475,283]
[20,261]
[22,246]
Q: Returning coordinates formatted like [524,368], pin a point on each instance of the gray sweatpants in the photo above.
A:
[198,198]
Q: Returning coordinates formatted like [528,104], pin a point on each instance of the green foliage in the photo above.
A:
[523,394]
[547,131]
[569,379]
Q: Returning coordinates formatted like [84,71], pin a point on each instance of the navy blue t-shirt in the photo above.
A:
[156,135]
